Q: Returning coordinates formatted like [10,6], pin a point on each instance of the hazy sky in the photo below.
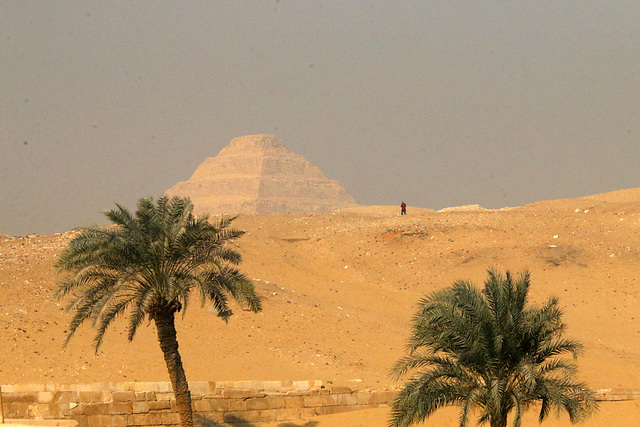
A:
[437,103]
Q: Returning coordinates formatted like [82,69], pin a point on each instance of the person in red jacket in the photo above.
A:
[403,208]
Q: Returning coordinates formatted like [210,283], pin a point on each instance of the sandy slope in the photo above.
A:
[339,291]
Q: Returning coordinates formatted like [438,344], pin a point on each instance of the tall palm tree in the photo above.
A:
[147,266]
[489,351]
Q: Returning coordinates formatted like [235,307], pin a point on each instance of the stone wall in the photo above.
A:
[615,394]
[214,403]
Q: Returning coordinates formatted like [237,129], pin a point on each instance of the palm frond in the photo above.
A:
[150,260]
[488,350]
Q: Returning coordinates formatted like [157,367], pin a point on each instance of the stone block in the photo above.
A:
[202,387]
[275,402]
[16,409]
[120,386]
[42,410]
[119,420]
[123,396]
[55,410]
[237,404]
[45,397]
[139,420]
[286,414]
[345,399]
[232,394]
[66,387]
[301,385]
[617,394]
[318,400]
[217,392]
[156,417]
[234,417]
[310,412]
[100,386]
[140,395]
[63,409]
[140,407]
[65,396]
[382,397]
[165,387]
[161,405]
[169,418]
[76,409]
[145,419]
[293,401]
[241,394]
[141,387]
[99,421]
[33,388]
[244,385]
[202,419]
[201,405]
[20,397]
[165,396]
[121,407]
[91,396]
[340,390]
[301,392]
[150,386]
[363,397]
[63,387]
[272,385]
[31,412]
[253,394]
[96,409]
[218,404]
[257,404]
[81,420]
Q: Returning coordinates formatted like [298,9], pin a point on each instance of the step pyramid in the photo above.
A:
[257,174]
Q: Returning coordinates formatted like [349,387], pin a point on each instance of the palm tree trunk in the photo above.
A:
[169,345]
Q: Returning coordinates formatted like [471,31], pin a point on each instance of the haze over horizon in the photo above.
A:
[434,103]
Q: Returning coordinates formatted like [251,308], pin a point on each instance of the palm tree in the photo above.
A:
[489,351]
[147,266]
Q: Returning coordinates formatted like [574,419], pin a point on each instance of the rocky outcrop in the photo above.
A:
[258,174]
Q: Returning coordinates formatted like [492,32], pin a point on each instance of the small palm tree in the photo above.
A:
[147,266]
[489,351]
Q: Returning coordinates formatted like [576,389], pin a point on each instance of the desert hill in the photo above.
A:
[627,200]
[340,289]
[257,174]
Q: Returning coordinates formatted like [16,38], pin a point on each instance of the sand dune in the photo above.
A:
[339,291]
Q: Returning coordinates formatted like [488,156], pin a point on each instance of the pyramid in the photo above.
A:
[257,174]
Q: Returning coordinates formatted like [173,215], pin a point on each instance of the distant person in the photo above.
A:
[403,208]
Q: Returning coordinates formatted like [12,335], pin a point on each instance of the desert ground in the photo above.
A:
[339,291]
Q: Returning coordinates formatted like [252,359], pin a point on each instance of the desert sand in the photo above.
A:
[339,291]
